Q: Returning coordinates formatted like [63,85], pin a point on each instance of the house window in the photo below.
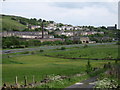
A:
[87,41]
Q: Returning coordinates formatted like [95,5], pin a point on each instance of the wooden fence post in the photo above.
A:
[25,78]
[16,80]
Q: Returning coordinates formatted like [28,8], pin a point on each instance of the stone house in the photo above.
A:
[82,39]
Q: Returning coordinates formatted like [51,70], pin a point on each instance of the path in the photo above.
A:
[88,84]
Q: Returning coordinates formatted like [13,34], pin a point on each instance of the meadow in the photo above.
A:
[40,65]
[99,51]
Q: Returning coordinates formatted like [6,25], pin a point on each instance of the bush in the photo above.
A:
[88,67]
[32,52]
[41,50]
[22,46]
[68,42]
[26,52]
[62,48]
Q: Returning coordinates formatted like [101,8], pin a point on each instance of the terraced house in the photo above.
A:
[29,35]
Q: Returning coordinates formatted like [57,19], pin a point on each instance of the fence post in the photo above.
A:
[16,79]
[25,78]
[33,79]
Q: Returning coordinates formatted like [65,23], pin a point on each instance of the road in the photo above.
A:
[88,84]
[47,47]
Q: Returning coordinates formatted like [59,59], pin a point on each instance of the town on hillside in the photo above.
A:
[53,44]
[50,31]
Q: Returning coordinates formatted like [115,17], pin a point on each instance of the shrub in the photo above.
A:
[26,52]
[32,52]
[22,46]
[62,48]
[88,67]
[68,42]
[41,50]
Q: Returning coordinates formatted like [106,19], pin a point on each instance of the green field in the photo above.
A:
[99,51]
[40,65]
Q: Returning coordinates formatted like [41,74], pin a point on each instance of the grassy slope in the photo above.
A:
[39,66]
[7,23]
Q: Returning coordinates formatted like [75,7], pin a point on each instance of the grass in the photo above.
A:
[63,83]
[40,65]
[70,81]
[107,80]
[8,23]
[100,51]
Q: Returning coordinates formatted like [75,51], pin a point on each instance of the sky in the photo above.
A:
[95,13]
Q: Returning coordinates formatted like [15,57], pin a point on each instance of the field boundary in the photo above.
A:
[84,58]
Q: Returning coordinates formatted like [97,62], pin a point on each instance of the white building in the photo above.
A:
[64,33]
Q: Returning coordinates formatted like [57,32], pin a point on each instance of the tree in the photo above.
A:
[62,48]
[40,20]
[38,29]
[68,42]
[41,50]
[60,25]
[57,29]
[58,42]
[103,27]
[51,22]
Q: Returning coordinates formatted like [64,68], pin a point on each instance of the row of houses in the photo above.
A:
[47,37]
[83,33]
[63,28]
[29,35]
[54,27]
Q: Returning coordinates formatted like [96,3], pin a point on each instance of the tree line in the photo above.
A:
[16,42]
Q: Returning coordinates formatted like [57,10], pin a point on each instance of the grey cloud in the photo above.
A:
[111,6]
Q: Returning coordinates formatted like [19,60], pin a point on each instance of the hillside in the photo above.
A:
[17,23]
[8,24]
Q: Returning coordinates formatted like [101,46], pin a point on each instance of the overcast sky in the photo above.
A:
[75,13]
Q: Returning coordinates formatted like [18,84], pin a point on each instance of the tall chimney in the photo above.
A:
[42,30]
[115,26]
